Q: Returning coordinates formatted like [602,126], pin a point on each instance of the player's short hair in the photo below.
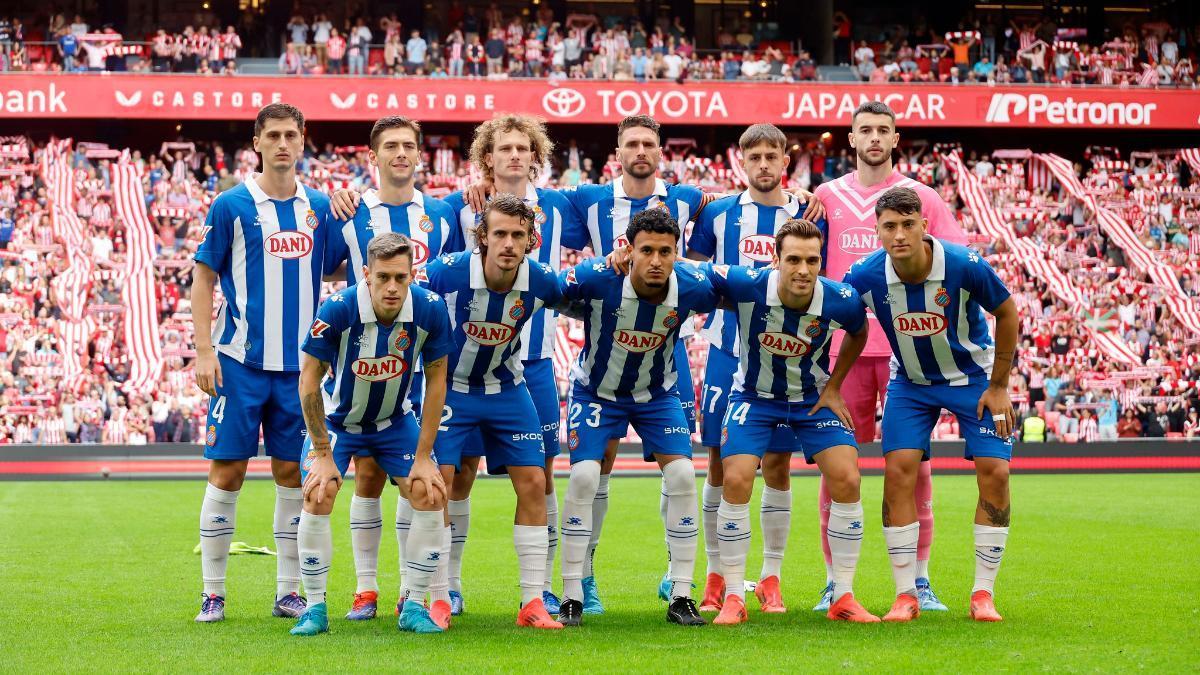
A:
[655,221]
[393,122]
[874,108]
[485,141]
[638,121]
[757,134]
[902,200]
[387,246]
[278,111]
[509,205]
[799,228]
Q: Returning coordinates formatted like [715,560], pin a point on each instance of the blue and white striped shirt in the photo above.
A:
[736,230]
[784,353]
[373,363]
[555,226]
[629,344]
[937,329]
[487,325]
[606,211]
[269,256]
[429,223]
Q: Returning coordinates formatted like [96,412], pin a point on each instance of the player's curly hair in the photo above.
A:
[533,127]
[656,221]
[902,200]
[509,205]
[797,227]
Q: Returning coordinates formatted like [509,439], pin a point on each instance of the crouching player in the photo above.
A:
[786,317]
[930,297]
[492,293]
[371,334]
[626,375]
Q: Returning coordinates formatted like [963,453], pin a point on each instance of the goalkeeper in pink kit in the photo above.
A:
[849,204]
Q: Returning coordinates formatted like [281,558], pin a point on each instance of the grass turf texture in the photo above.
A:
[1099,575]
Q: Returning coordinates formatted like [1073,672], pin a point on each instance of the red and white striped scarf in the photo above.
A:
[141,316]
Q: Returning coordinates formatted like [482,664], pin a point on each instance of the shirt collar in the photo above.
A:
[936,273]
[660,188]
[366,311]
[672,300]
[260,196]
[815,306]
[478,281]
[371,199]
[791,206]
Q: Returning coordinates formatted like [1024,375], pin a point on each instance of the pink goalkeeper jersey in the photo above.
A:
[850,212]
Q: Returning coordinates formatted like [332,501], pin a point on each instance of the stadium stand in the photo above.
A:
[96,246]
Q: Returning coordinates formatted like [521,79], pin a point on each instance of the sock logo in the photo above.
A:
[435,556]
[296,520]
[997,549]
[574,520]
[730,526]
[856,524]
[220,519]
[312,560]
[687,520]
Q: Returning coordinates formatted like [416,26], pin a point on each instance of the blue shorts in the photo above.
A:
[750,424]
[912,410]
[539,379]
[394,448]
[718,387]
[592,421]
[506,423]
[249,399]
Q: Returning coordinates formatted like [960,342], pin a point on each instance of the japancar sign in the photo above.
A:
[178,97]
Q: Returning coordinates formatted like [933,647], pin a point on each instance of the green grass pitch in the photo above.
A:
[1100,574]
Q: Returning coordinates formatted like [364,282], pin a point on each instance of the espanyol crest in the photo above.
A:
[942,297]
[517,311]
[671,320]
[813,328]
[310,219]
[425,224]
[402,341]
[539,216]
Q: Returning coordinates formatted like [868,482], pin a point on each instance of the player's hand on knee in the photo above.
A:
[832,398]
[996,402]
[323,474]
[344,203]
[425,478]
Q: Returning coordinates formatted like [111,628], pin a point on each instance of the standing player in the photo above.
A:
[509,151]
[371,334]
[740,230]
[785,319]
[265,241]
[849,208]
[395,148]
[625,375]
[491,295]
[930,296]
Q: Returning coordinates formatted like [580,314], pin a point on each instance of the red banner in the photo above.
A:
[24,96]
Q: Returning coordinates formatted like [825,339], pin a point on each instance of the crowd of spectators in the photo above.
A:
[468,41]
[1078,392]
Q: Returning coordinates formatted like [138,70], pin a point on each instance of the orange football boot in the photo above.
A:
[770,599]
[906,608]
[714,593]
[849,609]
[440,613]
[534,615]
[733,611]
[983,607]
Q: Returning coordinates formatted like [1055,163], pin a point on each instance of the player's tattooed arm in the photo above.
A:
[312,405]
[996,516]
[1007,330]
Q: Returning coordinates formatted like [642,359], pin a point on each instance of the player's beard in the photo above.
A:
[775,181]
[883,158]
[637,172]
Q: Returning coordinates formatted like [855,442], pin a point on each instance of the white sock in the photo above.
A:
[682,524]
[366,528]
[599,510]
[845,535]
[828,573]
[775,519]
[552,535]
[902,551]
[989,550]
[530,542]
[923,569]
[439,587]
[710,497]
[288,504]
[733,538]
[423,553]
[404,514]
[218,513]
[576,526]
[460,525]
[316,554]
